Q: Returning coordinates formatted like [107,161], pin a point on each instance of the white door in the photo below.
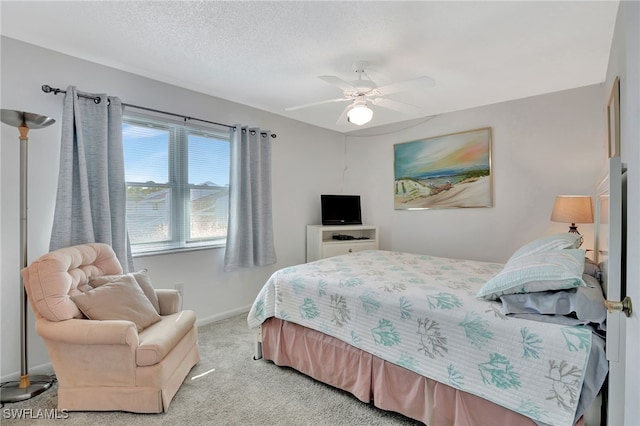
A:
[622,333]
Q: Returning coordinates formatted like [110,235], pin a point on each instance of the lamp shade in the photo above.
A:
[572,209]
[360,114]
[28,119]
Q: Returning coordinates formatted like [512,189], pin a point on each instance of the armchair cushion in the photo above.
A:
[140,277]
[118,300]
[160,338]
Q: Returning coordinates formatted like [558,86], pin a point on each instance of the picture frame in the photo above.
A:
[613,120]
[444,172]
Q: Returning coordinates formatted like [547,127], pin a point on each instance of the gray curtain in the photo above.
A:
[250,229]
[91,198]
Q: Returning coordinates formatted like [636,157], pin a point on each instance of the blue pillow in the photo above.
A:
[592,268]
[552,319]
[586,303]
[551,270]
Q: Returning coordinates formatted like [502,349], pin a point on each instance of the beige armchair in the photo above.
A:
[108,364]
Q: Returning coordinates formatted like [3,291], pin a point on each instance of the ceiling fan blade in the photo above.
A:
[293,108]
[396,106]
[337,81]
[343,116]
[405,85]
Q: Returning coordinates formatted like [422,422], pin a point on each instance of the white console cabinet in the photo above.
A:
[321,242]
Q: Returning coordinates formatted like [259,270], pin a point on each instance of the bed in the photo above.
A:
[445,341]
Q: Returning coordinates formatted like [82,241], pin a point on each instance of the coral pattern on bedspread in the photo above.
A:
[421,312]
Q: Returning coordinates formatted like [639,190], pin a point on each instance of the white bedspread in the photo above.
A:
[421,312]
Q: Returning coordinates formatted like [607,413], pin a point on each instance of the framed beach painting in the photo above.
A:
[443,172]
[613,119]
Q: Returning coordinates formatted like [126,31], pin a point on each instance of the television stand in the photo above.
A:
[334,240]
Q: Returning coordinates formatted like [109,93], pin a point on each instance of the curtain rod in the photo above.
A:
[97,99]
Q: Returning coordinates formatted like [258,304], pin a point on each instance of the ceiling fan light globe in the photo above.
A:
[359,115]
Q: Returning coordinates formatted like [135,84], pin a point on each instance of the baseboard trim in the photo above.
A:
[223,316]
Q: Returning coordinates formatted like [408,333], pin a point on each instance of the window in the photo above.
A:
[177,179]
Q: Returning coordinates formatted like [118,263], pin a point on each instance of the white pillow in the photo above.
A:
[552,270]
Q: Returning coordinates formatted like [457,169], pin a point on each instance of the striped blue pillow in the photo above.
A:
[545,271]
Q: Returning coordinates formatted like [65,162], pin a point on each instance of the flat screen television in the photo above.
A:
[341,210]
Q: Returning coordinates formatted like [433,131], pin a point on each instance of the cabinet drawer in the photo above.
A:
[337,249]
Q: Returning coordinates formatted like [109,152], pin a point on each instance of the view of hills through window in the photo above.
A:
[177,184]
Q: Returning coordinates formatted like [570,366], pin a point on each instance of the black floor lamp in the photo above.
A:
[27,387]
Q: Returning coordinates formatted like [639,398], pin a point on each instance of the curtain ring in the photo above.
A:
[97,100]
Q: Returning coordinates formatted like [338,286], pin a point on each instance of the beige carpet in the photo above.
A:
[239,391]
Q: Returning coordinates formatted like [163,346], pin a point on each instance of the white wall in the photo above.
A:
[542,146]
[304,165]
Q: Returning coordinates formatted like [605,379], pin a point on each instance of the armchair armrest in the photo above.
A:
[168,300]
[89,332]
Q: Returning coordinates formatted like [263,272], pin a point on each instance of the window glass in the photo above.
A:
[177,181]
[208,179]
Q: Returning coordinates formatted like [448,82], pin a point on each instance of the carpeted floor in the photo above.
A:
[236,391]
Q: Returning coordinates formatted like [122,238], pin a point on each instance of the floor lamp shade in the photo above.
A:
[27,387]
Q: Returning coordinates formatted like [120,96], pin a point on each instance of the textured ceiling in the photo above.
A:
[269,55]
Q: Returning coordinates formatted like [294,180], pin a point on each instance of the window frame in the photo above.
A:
[179,221]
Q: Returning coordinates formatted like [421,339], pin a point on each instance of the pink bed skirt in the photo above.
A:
[370,378]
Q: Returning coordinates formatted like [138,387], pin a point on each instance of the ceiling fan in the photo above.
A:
[364,92]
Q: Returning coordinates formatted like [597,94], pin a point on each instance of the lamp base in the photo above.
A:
[12,392]
[573,229]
